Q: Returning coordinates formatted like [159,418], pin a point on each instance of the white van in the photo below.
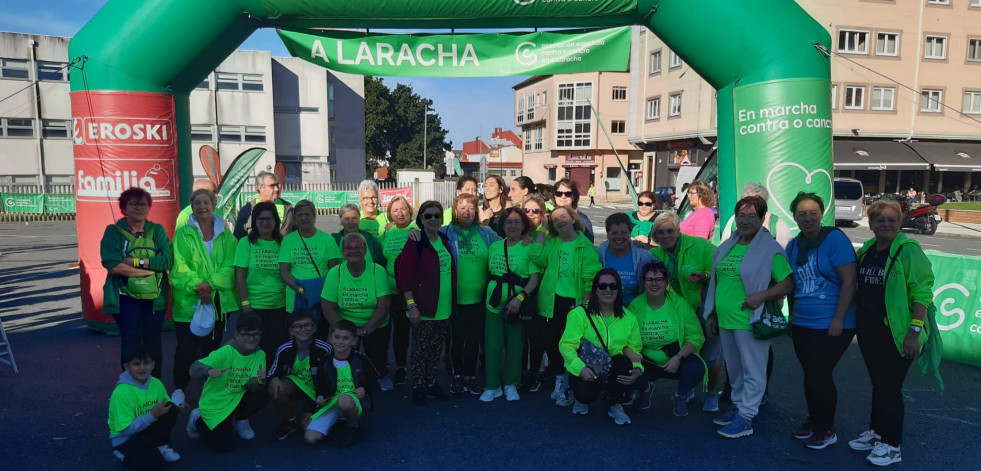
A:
[849,197]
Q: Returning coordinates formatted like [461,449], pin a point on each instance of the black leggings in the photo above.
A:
[818,354]
[191,348]
[274,331]
[587,392]
[887,370]
[376,349]
[467,324]
[400,330]
[544,335]
[222,437]
[140,451]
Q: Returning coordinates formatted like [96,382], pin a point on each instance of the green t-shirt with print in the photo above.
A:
[356,297]
[566,285]
[730,292]
[471,270]
[221,395]
[375,226]
[658,327]
[128,402]
[519,260]
[345,385]
[322,248]
[264,284]
[301,377]
[392,244]
[445,305]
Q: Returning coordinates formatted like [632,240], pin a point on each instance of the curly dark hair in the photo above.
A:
[592,307]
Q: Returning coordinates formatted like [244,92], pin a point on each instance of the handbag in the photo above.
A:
[527,310]
[596,358]
[315,286]
[772,323]
[203,321]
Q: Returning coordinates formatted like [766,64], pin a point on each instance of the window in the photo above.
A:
[853,42]
[202,132]
[330,100]
[613,179]
[655,62]
[255,134]
[234,81]
[972,102]
[935,47]
[205,84]
[252,82]
[14,69]
[675,105]
[675,61]
[887,44]
[16,127]
[250,134]
[854,97]
[618,127]
[544,98]
[531,107]
[939,2]
[974,49]
[654,108]
[834,97]
[574,126]
[976,3]
[619,93]
[883,98]
[930,101]
[527,139]
[52,71]
[551,176]
[54,129]
[539,137]
[521,109]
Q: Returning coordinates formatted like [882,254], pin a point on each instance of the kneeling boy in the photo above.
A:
[340,385]
[293,369]
[141,415]
[234,390]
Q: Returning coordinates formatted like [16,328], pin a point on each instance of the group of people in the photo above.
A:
[511,282]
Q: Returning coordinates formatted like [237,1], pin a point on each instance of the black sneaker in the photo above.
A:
[804,431]
[456,386]
[419,396]
[401,375]
[286,427]
[349,437]
[437,393]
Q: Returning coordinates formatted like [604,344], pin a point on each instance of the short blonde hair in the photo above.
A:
[876,209]
[397,198]
[669,217]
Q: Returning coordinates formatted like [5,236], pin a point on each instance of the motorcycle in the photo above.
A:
[923,219]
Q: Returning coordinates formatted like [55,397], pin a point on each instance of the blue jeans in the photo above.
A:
[690,372]
[138,324]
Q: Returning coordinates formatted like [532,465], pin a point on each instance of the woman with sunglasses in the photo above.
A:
[567,194]
[351,224]
[468,245]
[425,275]
[671,335]
[537,211]
[257,279]
[495,200]
[393,241]
[570,263]
[604,323]
[701,222]
[643,218]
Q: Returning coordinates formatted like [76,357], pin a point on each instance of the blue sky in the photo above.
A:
[469,106]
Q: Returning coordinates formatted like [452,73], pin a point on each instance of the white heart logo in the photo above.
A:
[809,175]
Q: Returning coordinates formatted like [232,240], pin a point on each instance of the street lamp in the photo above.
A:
[425,126]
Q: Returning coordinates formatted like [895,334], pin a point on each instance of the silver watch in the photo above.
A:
[915,328]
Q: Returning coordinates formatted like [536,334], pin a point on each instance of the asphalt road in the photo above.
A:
[53,414]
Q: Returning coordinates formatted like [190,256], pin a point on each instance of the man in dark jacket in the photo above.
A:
[296,363]
[269,189]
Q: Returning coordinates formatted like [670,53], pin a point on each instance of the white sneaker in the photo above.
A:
[866,441]
[168,454]
[580,409]
[244,429]
[565,400]
[561,386]
[177,397]
[511,393]
[490,394]
[192,432]
[884,455]
[618,415]
[385,384]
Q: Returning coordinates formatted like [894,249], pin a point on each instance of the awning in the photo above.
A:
[950,156]
[866,154]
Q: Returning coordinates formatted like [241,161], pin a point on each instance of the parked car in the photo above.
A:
[664,197]
[849,201]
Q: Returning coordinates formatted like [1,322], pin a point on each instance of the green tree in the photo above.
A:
[394,122]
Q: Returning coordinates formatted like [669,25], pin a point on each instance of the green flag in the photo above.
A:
[231,184]
[464,55]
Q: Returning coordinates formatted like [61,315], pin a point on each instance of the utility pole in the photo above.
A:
[425,118]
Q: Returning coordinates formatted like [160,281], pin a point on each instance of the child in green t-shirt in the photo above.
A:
[234,389]
[340,384]
[141,415]
[292,371]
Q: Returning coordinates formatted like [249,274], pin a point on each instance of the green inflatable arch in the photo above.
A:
[139,61]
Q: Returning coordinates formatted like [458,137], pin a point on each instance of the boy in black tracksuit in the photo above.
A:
[295,365]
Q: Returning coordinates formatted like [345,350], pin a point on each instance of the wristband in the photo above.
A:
[411,302]
[301,290]
[136,263]
[917,322]
[521,297]
[244,303]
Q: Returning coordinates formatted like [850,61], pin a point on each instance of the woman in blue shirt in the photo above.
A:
[822,314]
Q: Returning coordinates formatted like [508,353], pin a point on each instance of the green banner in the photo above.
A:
[957,295]
[464,55]
[782,133]
[25,203]
[436,9]
[59,204]
[231,183]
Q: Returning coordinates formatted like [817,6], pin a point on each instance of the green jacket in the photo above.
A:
[111,251]
[687,326]
[622,332]
[910,281]
[585,265]
[694,256]
[193,265]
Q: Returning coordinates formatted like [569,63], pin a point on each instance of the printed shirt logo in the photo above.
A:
[122,132]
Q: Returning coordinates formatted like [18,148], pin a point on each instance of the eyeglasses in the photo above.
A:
[250,335]
[533,211]
[369,198]
[564,194]
[138,204]
[646,203]
[303,326]
[272,185]
[607,286]
[428,216]
[658,280]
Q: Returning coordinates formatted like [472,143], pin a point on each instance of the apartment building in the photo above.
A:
[500,155]
[251,100]
[563,137]
[906,96]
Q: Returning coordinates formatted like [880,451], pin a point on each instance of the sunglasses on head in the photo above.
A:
[646,203]
[565,194]
[533,211]
[607,286]
[428,216]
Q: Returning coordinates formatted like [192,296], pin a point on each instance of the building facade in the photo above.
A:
[563,137]
[251,100]
[906,96]
[501,155]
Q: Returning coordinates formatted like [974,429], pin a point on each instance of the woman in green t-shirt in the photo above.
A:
[513,279]
[304,259]
[257,279]
[748,269]
[671,335]
[350,220]
[372,221]
[468,244]
[399,225]
[537,212]
[357,290]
